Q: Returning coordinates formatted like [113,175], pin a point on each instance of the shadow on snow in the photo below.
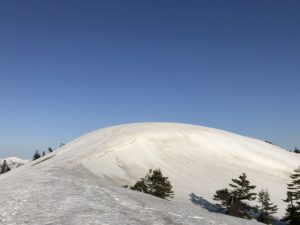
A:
[203,203]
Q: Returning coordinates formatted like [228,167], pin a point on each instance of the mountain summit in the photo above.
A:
[80,183]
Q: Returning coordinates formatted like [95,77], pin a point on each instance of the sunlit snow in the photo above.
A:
[80,183]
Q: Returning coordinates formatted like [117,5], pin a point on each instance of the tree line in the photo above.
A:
[38,155]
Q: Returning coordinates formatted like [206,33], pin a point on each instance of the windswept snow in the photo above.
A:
[80,182]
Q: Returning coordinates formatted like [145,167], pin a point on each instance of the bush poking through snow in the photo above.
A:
[154,183]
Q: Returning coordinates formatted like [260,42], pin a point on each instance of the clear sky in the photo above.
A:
[70,67]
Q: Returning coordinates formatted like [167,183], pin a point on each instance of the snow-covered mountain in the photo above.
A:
[80,183]
[13,162]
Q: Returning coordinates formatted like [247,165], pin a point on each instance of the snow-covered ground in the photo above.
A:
[13,162]
[80,182]
[75,197]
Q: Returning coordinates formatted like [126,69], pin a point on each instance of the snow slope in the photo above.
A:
[80,182]
[13,162]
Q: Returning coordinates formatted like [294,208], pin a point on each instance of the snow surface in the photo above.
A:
[80,182]
[13,162]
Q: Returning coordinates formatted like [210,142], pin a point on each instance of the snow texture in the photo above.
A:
[13,162]
[80,183]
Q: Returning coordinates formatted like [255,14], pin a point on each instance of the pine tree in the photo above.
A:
[293,199]
[36,155]
[241,192]
[154,183]
[242,188]
[50,150]
[44,153]
[236,200]
[4,168]
[140,186]
[266,208]
[223,196]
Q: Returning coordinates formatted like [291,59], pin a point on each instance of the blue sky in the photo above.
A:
[70,67]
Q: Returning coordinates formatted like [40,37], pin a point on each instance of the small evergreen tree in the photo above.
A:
[36,155]
[4,167]
[223,196]
[50,150]
[154,183]
[241,193]
[293,199]
[297,150]
[44,153]
[266,208]
[141,186]
[236,200]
